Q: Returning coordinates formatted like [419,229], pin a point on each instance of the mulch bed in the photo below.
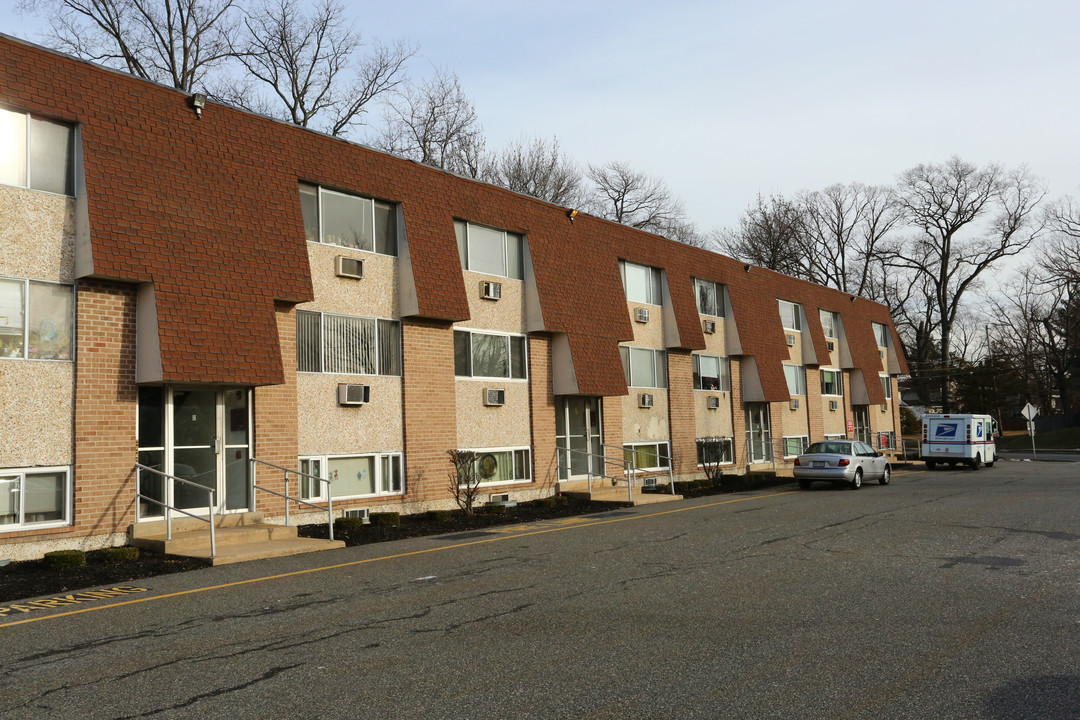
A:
[32,578]
[35,578]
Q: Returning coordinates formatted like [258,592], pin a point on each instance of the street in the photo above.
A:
[951,594]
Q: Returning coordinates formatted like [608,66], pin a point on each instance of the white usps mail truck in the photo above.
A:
[956,439]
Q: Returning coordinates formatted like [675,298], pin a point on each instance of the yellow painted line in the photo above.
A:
[563,526]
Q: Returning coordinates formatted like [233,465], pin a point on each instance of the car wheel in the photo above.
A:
[975,462]
[930,464]
[856,482]
[804,484]
[886,476]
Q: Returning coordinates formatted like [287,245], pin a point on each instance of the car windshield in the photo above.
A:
[829,448]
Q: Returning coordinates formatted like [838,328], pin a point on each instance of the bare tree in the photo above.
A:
[308,60]
[534,167]
[772,234]
[436,124]
[941,202]
[630,197]
[174,42]
[464,479]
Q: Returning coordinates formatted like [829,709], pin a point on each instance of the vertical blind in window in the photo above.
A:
[346,344]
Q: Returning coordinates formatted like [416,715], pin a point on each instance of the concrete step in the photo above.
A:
[244,552]
[604,492]
[194,542]
[183,523]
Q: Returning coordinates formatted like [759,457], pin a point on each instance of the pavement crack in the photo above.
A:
[268,675]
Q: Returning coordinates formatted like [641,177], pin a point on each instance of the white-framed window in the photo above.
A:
[500,466]
[644,367]
[832,382]
[710,297]
[715,451]
[352,476]
[837,436]
[352,221]
[642,284]
[796,379]
[37,154]
[489,355]
[647,456]
[347,344]
[828,323]
[795,445]
[34,497]
[489,250]
[791,315]
[881,334]
[37,320]
[886,386]
[712,373]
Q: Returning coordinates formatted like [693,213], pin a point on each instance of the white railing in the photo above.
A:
[300,477]
[170,509]
[629,470]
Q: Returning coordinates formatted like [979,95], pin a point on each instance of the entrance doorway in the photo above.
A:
[578,435]
[861,419]
[197,434]
[758,433]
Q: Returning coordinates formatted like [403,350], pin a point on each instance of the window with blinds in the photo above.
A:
[347,344]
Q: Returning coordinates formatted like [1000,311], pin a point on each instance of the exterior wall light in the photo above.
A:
[197,103]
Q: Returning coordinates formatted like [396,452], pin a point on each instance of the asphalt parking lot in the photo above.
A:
[952,594]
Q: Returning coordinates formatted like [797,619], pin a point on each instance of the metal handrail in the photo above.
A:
[288,498]
[170,508]
[630,470]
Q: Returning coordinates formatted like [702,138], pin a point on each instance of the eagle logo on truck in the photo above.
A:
[945,431]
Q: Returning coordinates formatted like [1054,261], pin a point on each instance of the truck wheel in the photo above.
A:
[930,464]
[989,463]
[975,463]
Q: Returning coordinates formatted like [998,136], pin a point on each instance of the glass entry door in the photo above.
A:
[861,417]
[758,433]
[201,435]
[578,437]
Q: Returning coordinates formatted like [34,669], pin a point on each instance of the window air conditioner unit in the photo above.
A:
[794,403]
[494,397]
[790,340]
[362,513]
[348,267]
[499,497]
[831,344]
[833,405]
[348,394]
[713,402]
[884,407]
[710,327]
[642,315]
[645,400]
[649,481]
[490,290]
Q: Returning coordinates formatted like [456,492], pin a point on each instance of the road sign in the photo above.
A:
[1029,412]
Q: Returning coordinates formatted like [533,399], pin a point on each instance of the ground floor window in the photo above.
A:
[839,436]
[497,466]
[647,456]
[352,476]
[795,445]
[715,451]
[34,497]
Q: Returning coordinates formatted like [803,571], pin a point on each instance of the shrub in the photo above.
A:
[349,523]
[60,559]
[386,518]
[561,499]
[495,509]
[127,553]
[545,502]
[440,515]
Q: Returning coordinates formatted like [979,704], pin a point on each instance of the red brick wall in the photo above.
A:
[429,401]
[276,420]
[612,435]
[738,417]
[681,418]
[815,411]
[542,412]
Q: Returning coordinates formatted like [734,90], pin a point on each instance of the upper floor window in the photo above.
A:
[36,320]
[36,154]
[881,334]
[712,373]
[832,382]
[791,315]
[490,251]
[336,218]
[644,367]
[486,355]
[886,386]
[710,297]
[347,344]
[642,284]
[828,323]
[796,379]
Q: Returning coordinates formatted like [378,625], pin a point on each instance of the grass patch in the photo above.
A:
[1063,439]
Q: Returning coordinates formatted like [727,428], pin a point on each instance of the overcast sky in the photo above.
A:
[724,100]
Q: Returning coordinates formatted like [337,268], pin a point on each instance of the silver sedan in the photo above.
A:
[846,462]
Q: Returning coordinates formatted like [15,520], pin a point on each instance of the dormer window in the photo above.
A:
[710,297]
[490,251]
[352,221]
[791,315]
[642,284]
[37,154]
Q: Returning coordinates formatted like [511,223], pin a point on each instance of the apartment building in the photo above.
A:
[203,294]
